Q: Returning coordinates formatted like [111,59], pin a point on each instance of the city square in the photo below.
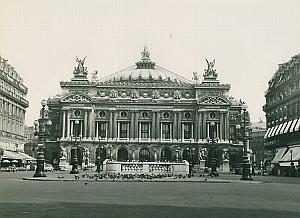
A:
[273,198]
[149,108]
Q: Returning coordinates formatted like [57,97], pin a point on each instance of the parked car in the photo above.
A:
[48,167]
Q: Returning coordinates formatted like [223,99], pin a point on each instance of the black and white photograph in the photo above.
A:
[139,108]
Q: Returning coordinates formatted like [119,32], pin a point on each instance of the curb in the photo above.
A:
[157,181]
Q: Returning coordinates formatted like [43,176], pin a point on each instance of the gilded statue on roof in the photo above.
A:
[80,69]
[210,72]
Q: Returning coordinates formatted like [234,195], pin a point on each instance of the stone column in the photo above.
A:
[91,126]
[85,124]
[97,129]
[131,127]
[179,124]
[204,126]
[200,131]
[153,126]
[196,125]
[63,123]
[226,126]
[115,126]
[136,125]
[221,126]
[68,123]
[157,128]
[175,134]
[110,124]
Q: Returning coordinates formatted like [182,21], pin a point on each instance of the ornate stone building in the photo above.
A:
[144,112]
[282,110]
[12,110]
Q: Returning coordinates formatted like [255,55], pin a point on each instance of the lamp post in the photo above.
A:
[1,154]
[110,152]
[177,154]
[42,131]
[74,160]
[98,158]
[246,164]
[213,151]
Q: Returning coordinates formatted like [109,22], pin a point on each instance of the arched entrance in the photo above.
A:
[144,155]
[122,154]
[166,154]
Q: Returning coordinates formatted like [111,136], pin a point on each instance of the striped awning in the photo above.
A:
[293,125]
[274,130]
[283,128]
[288,126]
[297,127]
[278,129]
[267,133]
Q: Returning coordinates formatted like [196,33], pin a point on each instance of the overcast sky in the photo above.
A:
[248,39]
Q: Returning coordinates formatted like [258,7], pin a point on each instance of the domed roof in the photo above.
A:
[145,70]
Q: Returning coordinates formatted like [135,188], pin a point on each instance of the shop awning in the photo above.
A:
[267,133]
[288,126]
[278,129]
[283,128]
[26,156]
[274,130]
[293,154]
[294,124]
[297,127]
[279,153]
[11,155]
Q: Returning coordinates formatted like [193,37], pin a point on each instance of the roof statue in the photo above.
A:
[145,62]
[80,70]
[210,73]
[195,77]
[95,76]
[145,54]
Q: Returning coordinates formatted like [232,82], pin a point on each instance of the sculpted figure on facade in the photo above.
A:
[155,94]
[113,93]
[80,69]
[134,94]
[177,94]
[210,73]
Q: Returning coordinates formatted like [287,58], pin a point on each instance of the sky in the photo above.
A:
[248,39]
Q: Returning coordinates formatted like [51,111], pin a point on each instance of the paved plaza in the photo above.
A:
[275,197]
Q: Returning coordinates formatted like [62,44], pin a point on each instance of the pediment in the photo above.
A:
[213,100]
[77,98]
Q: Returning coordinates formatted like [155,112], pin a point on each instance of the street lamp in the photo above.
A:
[42,131]
[246,164]
[74,160]
[1,154]
[110,151]
[177,154]
[213,151]
[98,158]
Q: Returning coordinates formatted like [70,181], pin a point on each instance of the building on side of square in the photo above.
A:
[258,151]
[282,111]
[12,113]
[144,113]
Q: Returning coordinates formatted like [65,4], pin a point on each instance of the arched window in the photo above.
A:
[122,154]
[144,155]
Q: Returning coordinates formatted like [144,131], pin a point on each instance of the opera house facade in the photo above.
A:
[144,113]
